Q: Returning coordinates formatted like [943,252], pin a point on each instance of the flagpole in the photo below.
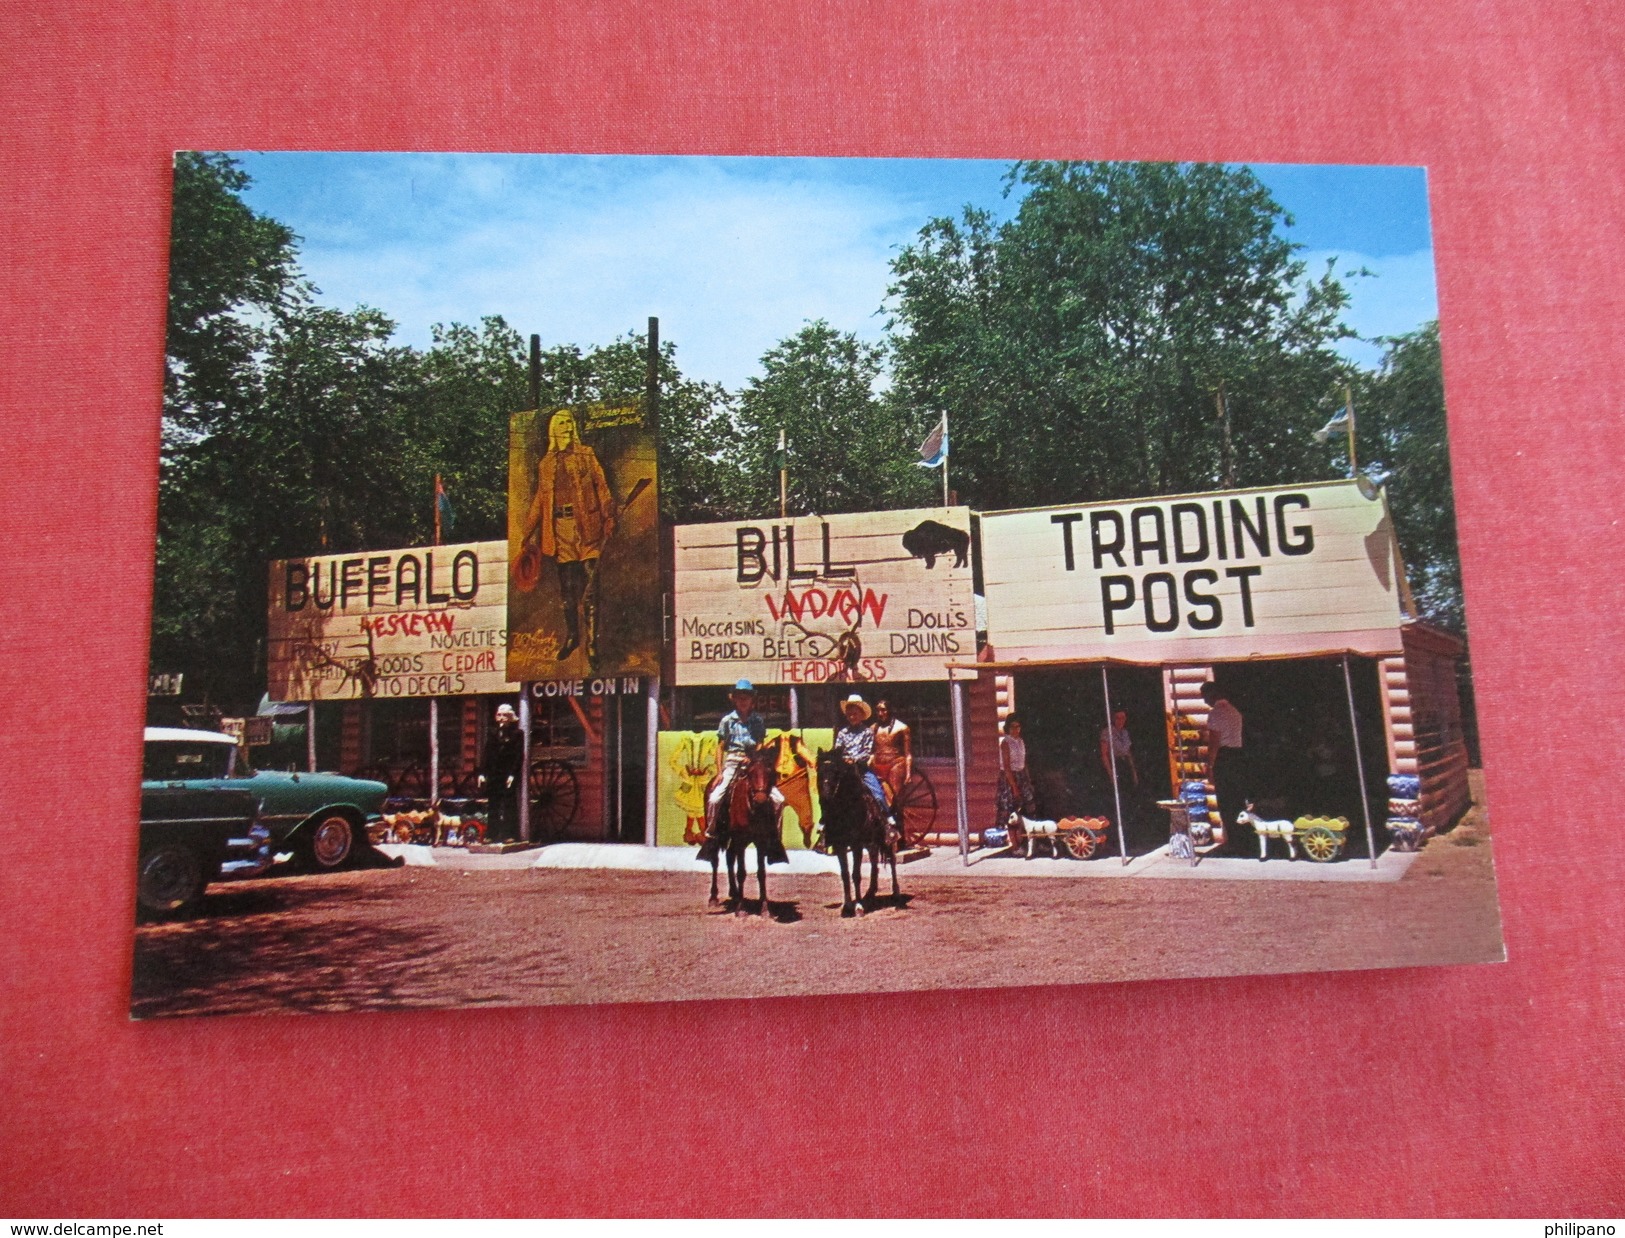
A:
[1348,403]
[437,509]
[945,458]
[784,477]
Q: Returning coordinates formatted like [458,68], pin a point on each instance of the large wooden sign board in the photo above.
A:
[857,598]
[1287,571]
[425,621]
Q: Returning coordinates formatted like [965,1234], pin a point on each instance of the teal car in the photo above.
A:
[321,818]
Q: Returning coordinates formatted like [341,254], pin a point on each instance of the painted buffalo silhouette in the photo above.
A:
[931,538]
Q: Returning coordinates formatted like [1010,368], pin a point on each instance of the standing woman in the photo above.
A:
[1015,783]
[894,748]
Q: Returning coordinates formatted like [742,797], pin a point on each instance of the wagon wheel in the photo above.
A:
[915,806]
[1319,844]
[451,784]
[412,782]
[1080,841]
[554,796]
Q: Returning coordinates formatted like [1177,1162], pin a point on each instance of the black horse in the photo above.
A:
[747,817]
[853,824]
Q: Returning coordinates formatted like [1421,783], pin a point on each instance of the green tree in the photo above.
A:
[1400,421]
[1079,347]
[848,448]
[224,258]
[302,455]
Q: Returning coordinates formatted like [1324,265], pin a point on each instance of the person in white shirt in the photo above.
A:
[1015,782]
[1226,764]
[1115,741]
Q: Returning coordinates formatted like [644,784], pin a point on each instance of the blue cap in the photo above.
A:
[745,685]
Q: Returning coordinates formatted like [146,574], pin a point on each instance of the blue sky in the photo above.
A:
[732,254]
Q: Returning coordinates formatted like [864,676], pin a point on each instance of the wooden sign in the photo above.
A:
[856,598]
[1203,577]
[425,621]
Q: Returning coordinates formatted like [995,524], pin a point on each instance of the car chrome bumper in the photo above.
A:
[250,856]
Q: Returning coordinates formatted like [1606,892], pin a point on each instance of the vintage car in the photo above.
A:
[191,836]
[322,818]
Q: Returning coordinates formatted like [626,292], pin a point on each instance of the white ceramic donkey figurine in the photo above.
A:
[1267,830]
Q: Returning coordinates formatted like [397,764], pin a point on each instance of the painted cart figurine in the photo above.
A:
[1322,838]
[1081,836]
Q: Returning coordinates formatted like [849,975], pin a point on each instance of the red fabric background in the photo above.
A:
[1490,1089]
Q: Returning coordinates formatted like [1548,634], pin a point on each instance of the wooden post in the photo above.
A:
[956,697]
[1111,752]
[1348,405]
[784,478]
[651,377]
[536,372]
[1227,449]
[651,769]
[434,750]
[1359,766]
[310,735]
[523,790]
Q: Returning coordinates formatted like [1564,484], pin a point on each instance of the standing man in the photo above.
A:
[1226,764]
[574,514]
[500,774]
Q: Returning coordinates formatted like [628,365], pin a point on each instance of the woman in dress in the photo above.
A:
[894,749]
[1015,782]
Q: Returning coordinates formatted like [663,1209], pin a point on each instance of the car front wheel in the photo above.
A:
[330,842]
[170,879]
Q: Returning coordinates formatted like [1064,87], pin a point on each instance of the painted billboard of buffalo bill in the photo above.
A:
[582,529]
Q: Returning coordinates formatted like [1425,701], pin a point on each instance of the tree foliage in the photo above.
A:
[291,428]
[1400,420]
[848,449]
[1078,349]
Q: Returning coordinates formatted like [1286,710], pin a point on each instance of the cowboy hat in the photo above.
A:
[857,700]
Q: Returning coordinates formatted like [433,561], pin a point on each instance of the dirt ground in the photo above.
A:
[421,937]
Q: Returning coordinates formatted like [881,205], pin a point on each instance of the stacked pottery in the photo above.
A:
[1405,826]
[1194,795]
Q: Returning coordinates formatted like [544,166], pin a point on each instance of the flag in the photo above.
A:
[1339,424]
[444,515]
[934,451]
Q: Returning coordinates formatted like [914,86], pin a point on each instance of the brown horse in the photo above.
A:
[790,758]
[747,818]
[853,824]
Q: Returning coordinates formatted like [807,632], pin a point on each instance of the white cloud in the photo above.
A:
[730,265]
[1398,296]
[732,256]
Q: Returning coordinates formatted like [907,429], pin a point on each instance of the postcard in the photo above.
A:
[623,579]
